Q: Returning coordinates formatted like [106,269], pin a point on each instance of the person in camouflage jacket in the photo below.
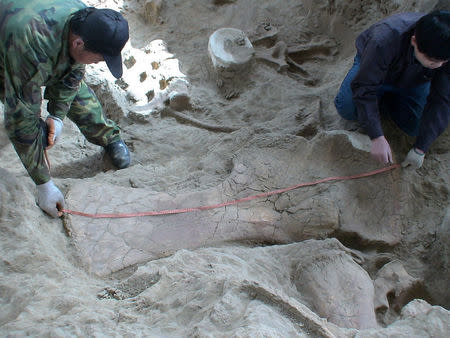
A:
[47,44]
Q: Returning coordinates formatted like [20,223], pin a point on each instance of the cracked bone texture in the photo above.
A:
[108,245]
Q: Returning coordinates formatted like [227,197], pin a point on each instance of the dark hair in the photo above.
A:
[433,35]
[76,24]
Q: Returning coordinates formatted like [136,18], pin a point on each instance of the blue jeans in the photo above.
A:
[404,105]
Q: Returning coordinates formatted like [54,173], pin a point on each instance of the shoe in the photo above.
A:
[119,154]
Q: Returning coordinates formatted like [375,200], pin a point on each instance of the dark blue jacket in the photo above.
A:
[387,57]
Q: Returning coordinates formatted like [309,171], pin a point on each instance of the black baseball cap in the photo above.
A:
[105,31]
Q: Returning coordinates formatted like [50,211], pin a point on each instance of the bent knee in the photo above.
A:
[345,108]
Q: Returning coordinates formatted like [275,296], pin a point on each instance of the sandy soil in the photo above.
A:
[378,268]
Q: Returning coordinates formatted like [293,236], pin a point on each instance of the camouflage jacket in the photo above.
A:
[34,53]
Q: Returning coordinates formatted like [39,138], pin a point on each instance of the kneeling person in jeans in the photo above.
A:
[401,69]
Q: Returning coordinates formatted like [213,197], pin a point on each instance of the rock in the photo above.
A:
[415,308]
[394,280]
[151,77]
[419,320]
[179,101]
[336,286]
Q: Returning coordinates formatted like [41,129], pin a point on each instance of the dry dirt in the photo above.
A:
[359,258]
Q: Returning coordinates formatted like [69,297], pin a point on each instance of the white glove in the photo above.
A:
[50,199]
[55,126]
[413,159]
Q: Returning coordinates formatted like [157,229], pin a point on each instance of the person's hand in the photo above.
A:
[54,125]
[381,150]
[50,199]
[414,159]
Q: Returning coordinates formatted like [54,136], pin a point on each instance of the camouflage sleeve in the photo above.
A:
[26,67]
[31,45]
[60,95]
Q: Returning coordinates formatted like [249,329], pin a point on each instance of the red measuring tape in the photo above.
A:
[224,204]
